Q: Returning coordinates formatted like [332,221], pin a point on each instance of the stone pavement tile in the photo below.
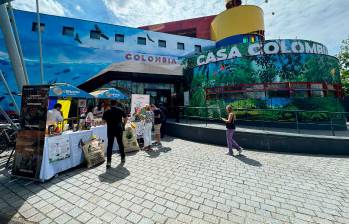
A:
[62,219]
[211,218]
[147,213]
[46,221]
[54,213]
[29,213]
[84,217]
[196,214]
[122,212]
[171,213]
[159,209]
[113,208]
[108,217]
[158,218]
[146,221]
[38,217]
[75,212]
[95,220]
[133,217]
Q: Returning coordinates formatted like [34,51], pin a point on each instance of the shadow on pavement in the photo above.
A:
[167,139]
[248,161]
[156,152]
[114,174]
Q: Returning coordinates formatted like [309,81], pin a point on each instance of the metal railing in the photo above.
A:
[292,120]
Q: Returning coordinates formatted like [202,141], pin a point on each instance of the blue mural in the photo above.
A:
[76,57]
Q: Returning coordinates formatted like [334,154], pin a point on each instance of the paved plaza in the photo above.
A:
[186,182]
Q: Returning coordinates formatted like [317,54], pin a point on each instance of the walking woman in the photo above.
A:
[148,124]
[230,124]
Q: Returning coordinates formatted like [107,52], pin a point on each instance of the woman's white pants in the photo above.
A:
[147,134]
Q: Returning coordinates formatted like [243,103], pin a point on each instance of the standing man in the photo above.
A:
[116,119]
[55,115]
[157,124]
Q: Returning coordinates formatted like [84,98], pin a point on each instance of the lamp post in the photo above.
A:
[12,48]
[39,42]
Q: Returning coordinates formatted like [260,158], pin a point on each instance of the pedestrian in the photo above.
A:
[148,124]
[89,118]
[157,124]
[99,110]
[116,119]
[230,125]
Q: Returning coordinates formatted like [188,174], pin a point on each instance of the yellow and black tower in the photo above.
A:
[238,24]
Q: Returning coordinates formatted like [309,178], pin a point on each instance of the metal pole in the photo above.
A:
[39,42]
[331,125]
[15,32]
[297,123]
[8,118]
[12,49]
[9,91]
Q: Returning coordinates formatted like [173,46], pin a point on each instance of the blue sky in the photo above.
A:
[325,21]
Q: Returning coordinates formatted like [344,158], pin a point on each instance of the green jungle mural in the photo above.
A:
[275,69]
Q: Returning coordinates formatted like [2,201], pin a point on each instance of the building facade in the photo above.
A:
[221,59]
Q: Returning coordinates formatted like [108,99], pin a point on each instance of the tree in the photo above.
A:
[343,57]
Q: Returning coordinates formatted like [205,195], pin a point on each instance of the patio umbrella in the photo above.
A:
[110,93]
[63,90]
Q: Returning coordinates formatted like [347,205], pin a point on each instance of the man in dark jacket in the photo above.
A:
[116,119]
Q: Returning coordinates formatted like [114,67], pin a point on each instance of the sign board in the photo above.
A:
[269,47]
[186,98]
[138,101]
[31,138]
[59,148]
[82,103]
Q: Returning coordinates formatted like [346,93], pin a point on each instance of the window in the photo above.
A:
[162,43]
[35,27]
[141,41]
[180,46]
[95,34]
[68,31]
[119,38]
[197,48]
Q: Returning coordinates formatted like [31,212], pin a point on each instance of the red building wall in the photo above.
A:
[197,27]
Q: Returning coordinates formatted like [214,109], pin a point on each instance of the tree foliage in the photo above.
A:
[343,57]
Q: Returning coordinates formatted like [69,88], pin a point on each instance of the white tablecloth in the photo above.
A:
[49,170]
[101,132]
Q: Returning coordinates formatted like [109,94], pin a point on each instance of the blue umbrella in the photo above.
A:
[110,93]
[64,90]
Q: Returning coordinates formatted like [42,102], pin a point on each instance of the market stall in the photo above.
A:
[50,138]
[103,97]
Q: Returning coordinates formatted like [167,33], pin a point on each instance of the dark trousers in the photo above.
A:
[163,129]
[111,137]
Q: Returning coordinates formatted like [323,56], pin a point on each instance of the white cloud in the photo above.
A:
[139,13]
[324,21]
[79,9]
[52,7]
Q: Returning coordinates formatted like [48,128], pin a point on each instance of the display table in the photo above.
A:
[101,132]
[76,156]
[50,169]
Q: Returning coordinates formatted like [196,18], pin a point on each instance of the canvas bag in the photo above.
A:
[129,138]
[93,151]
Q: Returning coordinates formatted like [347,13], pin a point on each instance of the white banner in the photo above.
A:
[138,101]
[59,148]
